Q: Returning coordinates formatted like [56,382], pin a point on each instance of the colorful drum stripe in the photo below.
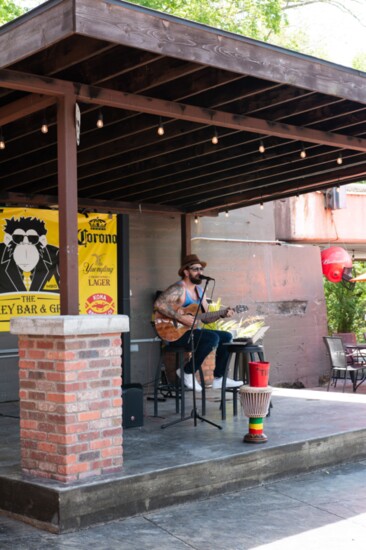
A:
[255,425]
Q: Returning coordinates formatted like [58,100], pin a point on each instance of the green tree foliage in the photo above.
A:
[359,62]
[255,18]
[9,10]
[258,19]
[346,308]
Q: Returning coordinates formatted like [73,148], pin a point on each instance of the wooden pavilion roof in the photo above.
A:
[139,68]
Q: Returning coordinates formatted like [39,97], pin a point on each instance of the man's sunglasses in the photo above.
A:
[196,268]
[32,239]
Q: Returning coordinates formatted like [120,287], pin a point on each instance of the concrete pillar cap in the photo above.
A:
[69,325]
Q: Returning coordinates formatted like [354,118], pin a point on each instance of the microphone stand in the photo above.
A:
[194,414]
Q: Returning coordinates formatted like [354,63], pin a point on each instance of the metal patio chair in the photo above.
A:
[346,363]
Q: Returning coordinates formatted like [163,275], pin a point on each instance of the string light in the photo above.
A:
[100,121]
[303,153]
[215,138]
[44,127]
[226,214]
[195,219]
[261,147]
[161,130]
[340,159]
[261,205]
[338,189]
[2,141]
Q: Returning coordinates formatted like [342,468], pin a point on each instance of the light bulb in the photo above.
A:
[44,128]
[195,219]
[226,213]
[100,121]
[340,160]
[261,206]
[303,153]
[215,138]
[261,147]
[161,130]
[2,143]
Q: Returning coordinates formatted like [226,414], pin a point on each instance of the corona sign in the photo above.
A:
[29,264]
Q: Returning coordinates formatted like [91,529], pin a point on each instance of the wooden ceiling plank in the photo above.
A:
[273,193]
[73,50]
[169,109]
[156,74]
[291,180]
[188,162]
[213,117]
[107,66]
[227,185]
[230,176]
[24,107]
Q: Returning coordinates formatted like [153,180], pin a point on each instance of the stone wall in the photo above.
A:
[282,282]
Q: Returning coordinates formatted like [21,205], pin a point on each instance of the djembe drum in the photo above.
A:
[255,402]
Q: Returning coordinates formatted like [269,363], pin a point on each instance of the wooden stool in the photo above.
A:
[161,382]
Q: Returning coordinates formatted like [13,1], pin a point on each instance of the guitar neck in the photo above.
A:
[211,316]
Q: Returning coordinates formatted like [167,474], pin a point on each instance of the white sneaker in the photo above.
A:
[188,381]
[230,383]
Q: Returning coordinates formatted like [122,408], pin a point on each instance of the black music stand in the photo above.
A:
[194,414]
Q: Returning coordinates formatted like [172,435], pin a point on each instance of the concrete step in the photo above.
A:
[306,431]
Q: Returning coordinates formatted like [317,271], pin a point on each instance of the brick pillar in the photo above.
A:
[70,395]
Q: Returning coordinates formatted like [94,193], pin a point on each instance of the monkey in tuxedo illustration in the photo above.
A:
[27,262]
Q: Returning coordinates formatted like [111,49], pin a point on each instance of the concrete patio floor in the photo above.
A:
[307,430]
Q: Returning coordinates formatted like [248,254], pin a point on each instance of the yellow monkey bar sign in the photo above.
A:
[29,267]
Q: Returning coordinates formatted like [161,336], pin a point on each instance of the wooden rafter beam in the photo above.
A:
[181,111]
[170,109]
[276,190]
[115,207]
[24,107]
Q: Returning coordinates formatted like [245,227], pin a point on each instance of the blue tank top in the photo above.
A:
[188,298]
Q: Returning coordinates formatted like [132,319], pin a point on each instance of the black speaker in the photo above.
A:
[132,406]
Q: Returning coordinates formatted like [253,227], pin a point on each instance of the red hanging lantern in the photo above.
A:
[336,264]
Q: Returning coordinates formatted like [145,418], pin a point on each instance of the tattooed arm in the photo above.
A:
[169,304]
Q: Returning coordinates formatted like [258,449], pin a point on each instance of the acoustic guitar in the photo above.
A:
[171,330]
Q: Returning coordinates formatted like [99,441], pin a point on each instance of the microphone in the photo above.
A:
[205,278]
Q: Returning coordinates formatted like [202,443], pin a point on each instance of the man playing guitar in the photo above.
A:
[177,305]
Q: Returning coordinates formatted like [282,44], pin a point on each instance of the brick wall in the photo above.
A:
[70,401]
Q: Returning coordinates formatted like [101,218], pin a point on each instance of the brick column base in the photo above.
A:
[70,395]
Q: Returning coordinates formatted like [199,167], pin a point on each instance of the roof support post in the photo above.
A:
[68,205]
[186,234]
